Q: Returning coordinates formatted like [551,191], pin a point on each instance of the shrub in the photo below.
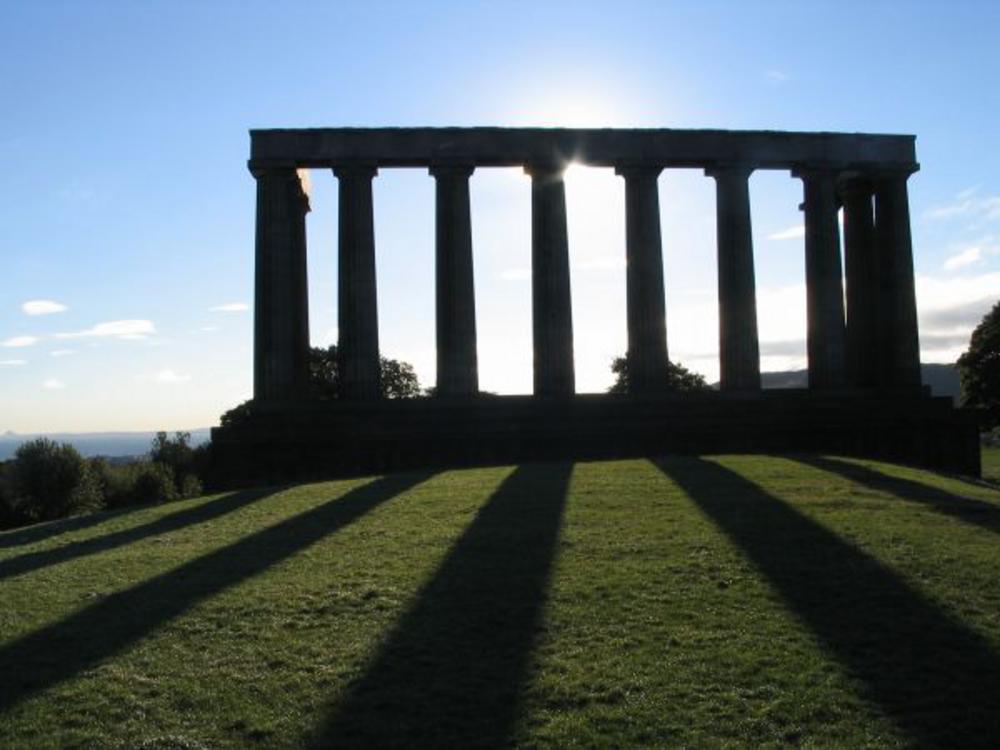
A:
[154,483]
[48,480]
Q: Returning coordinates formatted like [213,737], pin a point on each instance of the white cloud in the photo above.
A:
[776,76]
[515,274]
[18,341]
[62,352]
[792,233]
[53,384]
[965,258]
[328,338]
[949,309]
[968,204]
[42,307]
[230,307]
[12,362]
[209,329]
[170,377]
[120,329]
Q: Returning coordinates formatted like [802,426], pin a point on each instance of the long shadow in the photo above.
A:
[39,532]
[59,651]
[452,671]
[966,509]
[937,679]
[206,511]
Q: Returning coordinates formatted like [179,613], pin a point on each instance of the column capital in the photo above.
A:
[634,169]
[730,169]
[889,174]
[818,171]
[355,169]
[546,170]
[451,169]
[271,169]
[857,185]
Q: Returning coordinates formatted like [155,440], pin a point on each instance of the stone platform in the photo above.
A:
[300,440]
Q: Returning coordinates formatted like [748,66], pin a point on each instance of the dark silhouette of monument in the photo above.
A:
[864,393]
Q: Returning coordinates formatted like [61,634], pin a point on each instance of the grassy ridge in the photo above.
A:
[733,600]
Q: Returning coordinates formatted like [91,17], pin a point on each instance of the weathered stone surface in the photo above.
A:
[551,307]
[281,308]
[739,350]
[457,363]
[646,304]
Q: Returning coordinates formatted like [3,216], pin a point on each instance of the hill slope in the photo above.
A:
[727,600]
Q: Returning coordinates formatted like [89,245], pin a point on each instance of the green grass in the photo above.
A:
[991,464]
[725,601]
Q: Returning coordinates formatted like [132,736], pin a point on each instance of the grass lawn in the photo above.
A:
[991,464]
[724,601]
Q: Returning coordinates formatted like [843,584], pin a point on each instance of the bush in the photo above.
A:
[154,483]
[48,480]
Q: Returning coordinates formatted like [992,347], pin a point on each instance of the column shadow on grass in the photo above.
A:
[64,649]
[938,680]
[966,509]
[200,513]
[39,532]
[453,670]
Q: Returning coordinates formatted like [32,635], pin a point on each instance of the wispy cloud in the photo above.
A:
[170,377]
[967,257]
[119,329]
[776,77]
[42,307]
[968,204]
[53,384]
[62,352]
[230,307]
[792,233]
[19,341]
[12,362]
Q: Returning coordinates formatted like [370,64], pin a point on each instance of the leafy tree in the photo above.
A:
[397,378]
[179,459]
[678,377]
[979,368]
[47,480]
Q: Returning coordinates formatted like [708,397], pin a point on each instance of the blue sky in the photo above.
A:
[126,205]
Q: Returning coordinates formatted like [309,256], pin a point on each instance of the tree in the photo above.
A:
[678,377]
[48,480]
[979,368]
[396,378]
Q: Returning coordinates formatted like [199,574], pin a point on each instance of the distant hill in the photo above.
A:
[112,444]
[943,379]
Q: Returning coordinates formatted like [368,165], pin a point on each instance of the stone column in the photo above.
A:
[457,369]
[861,273]
[899,342]
[551,308]
[281,306]
[647,314]
[824,281]
[357,352]
[739,350]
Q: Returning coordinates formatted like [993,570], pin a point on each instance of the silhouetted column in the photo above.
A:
[861,273]
[457,369]
[900,345]
[647,315]
[357,352]
[551,311]
[739,350]
[824,281]
[281,307]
